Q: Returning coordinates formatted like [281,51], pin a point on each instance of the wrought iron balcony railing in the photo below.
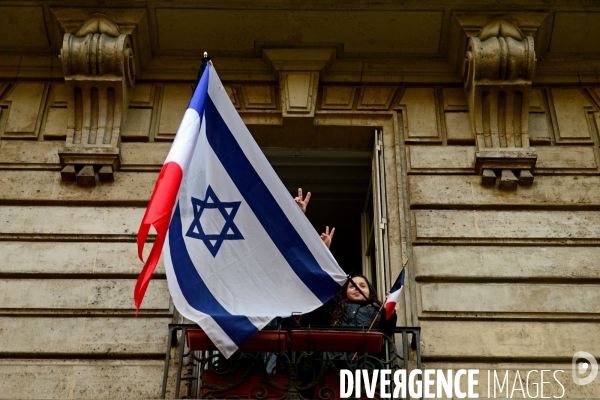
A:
[298,362]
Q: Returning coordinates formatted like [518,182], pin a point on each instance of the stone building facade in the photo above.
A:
[462,136]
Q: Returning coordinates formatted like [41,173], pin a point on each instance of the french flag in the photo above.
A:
[238,251]
[392,299]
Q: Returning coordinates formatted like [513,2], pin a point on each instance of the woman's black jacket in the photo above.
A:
[362,314]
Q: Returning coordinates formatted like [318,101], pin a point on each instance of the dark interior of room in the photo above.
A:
[338,177]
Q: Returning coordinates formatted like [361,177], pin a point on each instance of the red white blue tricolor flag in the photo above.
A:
[392,299]
[238,251]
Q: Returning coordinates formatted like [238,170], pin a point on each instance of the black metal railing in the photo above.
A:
[294,362]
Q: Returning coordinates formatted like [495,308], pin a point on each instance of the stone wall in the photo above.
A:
[494,275]
[491,177]
[67,325]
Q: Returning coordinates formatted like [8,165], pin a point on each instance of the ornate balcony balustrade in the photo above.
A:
[282,362]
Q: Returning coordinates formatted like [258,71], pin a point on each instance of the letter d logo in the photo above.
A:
[583,367]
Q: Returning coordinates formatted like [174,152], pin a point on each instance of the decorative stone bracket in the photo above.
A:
[299,77]
[499,67]
[99,74]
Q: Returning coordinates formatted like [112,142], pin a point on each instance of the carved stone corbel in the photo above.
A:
[499,67]
[299,71]
[99,74]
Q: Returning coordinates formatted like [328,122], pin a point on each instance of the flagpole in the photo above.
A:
[378,312]
[205,60]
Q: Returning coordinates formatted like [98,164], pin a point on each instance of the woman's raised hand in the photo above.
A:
[327,236]
[302,202]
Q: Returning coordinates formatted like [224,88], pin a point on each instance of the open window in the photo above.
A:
[374,223]
[343,169]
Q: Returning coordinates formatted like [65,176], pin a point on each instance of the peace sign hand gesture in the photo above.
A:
[327,236]
[302,203]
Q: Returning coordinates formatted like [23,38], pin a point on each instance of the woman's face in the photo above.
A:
[353,294]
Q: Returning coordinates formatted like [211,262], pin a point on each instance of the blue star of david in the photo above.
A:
[229,232]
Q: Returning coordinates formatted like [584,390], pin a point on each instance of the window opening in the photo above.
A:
[347,183]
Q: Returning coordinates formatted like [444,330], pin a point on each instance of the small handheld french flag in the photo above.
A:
[394,295]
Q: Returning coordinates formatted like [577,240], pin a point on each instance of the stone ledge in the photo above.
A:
[84,336]
[504,159]
[91,259]
[80,294]
[502,340]
[462,191]
[80,379]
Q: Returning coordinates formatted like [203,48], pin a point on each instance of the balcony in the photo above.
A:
[279,362]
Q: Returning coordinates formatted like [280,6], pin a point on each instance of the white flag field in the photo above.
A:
[238,251]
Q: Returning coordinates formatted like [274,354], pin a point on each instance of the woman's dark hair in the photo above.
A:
[341,299]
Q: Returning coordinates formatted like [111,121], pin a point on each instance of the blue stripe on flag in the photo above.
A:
[399,282]
[237,327]
[201,93]
[265,207]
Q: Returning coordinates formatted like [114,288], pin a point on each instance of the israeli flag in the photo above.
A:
[238,250]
